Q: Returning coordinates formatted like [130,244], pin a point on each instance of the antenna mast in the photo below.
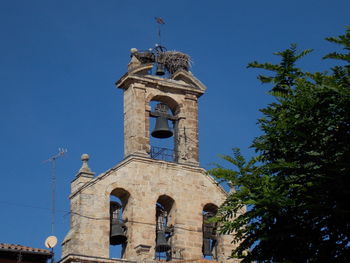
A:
[52,160]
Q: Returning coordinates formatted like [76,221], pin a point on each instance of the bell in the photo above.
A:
[160,71]
[206,248]
[117,234]
[161,242]
[162,129]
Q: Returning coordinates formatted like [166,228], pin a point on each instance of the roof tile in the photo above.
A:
[15,247]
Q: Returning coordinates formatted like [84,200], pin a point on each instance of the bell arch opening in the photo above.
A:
[118,236]
[163,128]
[209,231]
[169,101]
[165,219]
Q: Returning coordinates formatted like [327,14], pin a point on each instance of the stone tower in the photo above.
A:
[164,195]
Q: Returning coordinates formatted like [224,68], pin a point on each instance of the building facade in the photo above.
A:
[155,204]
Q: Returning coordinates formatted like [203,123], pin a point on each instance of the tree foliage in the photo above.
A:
[296,190]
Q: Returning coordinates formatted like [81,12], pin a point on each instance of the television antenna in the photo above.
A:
[52,160]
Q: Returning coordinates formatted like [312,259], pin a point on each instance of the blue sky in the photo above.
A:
[59,61]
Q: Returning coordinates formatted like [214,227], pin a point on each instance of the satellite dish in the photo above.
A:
[51,241]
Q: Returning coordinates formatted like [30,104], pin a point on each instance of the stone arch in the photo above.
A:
[210,207]
[170,207]
[119,190]
[174,105]
[165,218]
[119,214]
[171,144]
[122,194]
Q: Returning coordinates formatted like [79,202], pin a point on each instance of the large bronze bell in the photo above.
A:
[160,71]
[162,129]
[118,229]
[117,234]
[161,242]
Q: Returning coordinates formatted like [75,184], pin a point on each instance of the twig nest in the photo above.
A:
[174,60]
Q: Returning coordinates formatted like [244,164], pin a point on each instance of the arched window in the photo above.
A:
[164,227]
[118,222]
[210,240]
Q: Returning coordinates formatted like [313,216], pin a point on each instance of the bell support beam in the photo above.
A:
[168,116]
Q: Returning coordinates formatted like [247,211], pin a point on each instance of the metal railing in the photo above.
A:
[165,154]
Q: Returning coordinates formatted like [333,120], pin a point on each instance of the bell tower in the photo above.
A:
[155,204]
[179,93]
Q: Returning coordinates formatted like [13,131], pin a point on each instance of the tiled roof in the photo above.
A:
[201,260]
[15,248]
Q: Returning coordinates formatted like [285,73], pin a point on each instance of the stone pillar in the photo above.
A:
[188,132]
[141,231]
[135,139]
[83,176]
[89,226]
[187,237]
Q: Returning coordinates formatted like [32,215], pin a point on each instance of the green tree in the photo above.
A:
[296,190]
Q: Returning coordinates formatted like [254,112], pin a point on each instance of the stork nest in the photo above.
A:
[174,60]
[145,56]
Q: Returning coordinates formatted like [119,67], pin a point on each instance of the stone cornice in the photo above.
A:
[73,258]
[133,158]
[171,85]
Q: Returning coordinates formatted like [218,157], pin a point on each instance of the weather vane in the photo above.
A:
[160,22]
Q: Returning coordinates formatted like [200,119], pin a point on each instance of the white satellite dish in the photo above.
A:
[51,241]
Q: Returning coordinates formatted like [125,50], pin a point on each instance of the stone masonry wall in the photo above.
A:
[145,180]
[137,98]
[139,181]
